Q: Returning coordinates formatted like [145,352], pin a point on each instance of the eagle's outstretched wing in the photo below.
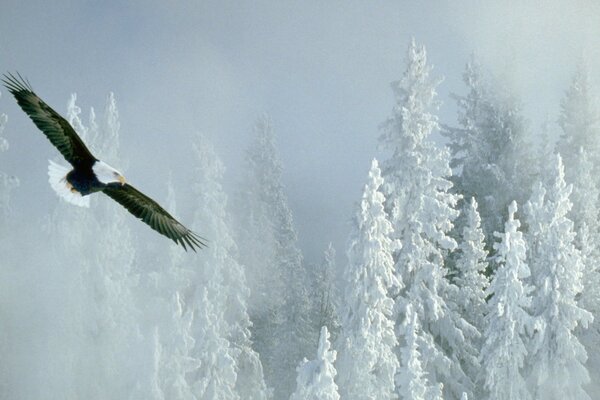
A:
[57,129]
[153,214]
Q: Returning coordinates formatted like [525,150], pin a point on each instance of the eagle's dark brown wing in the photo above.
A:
[57,129]
[153,214]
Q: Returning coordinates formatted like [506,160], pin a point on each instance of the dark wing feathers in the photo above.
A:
[57,129]
[153,214]
[62,135]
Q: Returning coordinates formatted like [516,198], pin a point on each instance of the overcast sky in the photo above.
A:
[320,69]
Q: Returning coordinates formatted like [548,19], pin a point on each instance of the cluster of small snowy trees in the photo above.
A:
[470,273]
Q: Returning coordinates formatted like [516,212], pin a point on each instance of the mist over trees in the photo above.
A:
[470,272]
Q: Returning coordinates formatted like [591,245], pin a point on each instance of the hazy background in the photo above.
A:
[320,69]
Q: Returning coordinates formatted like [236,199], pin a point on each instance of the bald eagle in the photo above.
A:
[88,174]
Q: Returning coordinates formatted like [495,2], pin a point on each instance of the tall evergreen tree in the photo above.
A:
[580,123]
[325,294]
[488,149]
[579,145]
[316,378]
[508,319]
[367,364]
[226,289]
[412,381]
[557,359]
[216,378]
[421,209]
[280,306]
[471,265]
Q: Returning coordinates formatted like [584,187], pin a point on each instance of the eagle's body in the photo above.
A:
[88,174]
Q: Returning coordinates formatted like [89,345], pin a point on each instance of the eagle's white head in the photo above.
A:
[107,174]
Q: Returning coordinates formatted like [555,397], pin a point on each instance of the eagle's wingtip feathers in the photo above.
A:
[16,84]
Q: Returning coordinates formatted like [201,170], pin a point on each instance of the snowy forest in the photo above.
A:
[470,271]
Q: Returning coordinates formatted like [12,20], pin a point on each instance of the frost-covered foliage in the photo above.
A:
[279,306]
[580,123]
[316,378]
[97,310]
[412,381]
[488,149]
[101,285]
[421,209]
[367,364]
[557,358]
[504,351]
[578,145]
[219,291]
[470,266]
[325,295]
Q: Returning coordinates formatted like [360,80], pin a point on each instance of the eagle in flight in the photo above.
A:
[88,174]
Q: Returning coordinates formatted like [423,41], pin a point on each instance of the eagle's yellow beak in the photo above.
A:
[122,180]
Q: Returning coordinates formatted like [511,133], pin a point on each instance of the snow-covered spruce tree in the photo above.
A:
[470,269]
[585,215]
[508,319]
[325,295]
[579,145]
[367,361]
[222,280]
[488,150]
[216,376]
[580,123]
[280,306]
[471,265]
[173,346]
[412,382]
[421,209]
[589,300]
[167,320]
[316,378]
[557,358]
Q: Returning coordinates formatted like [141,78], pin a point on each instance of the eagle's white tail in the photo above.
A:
[57,176]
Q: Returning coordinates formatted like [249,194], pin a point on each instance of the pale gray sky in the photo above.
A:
[320,69]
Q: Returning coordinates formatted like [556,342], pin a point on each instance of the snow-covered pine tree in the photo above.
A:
[487,150]
[579,145]
[279,304]
[411,379]
[421,209]
[367,361]
[557,358]
[325,294]
[589,300]
[470,266]
[316,378]
[580,123]
[504,351]
[293,335]
[222,279]
[216,378]
[173,346]
[162,286]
